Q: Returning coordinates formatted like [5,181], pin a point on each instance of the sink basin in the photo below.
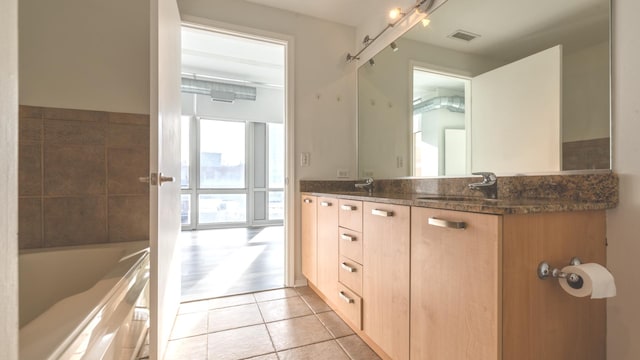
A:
[455,198]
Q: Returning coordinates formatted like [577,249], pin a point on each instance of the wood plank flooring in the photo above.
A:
[225,262]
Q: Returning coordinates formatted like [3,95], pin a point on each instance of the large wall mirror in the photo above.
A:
[509,86]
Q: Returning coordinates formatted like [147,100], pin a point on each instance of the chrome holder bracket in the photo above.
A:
[574,280]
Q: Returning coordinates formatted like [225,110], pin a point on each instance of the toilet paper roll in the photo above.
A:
[598,281]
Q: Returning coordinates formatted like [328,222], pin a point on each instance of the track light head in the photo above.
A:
[393,46]
[423,6]
[371,62]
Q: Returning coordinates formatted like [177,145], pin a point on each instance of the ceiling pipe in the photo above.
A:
[451,103]
[218,91]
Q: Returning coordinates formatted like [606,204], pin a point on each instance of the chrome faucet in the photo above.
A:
[367,185]
[488,186]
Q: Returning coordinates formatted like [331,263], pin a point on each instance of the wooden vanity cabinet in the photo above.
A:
[309,238]
[455,303]
[475,293]
[327,245]
[385,284]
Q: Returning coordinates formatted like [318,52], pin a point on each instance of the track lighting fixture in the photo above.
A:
[371,62]
[423,6]
[396,15]
[393,46]
[351,57]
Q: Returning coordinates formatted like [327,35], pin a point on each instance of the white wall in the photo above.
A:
[9,180]
[516,116]
[85,54]
[383,106]
[623,228]
[585,93]
[268,107]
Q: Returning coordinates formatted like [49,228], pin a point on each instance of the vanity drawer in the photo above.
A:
[350,274]
[351,214]
[350,244]
[349,305]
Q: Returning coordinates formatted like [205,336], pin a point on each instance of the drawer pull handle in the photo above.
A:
[325,203]
[447,224]
[307,201]
[348,207]
[344,297]
[381,213]
[347,237]
[348,268]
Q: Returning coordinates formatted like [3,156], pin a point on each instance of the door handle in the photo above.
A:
[163,179]
[156,179]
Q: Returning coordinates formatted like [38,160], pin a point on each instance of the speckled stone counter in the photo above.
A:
[516,194]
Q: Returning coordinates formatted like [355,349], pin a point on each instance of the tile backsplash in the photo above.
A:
[78,177]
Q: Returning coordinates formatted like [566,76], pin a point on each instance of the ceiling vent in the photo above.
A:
[463,35]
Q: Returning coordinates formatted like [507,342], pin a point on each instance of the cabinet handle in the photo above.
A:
[344,297]
[325,203]
[447,224]
[347,237]
[381,213]
[308,201]
[347,267]
[348,207]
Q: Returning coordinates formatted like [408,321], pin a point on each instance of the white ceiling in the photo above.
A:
[232,58]
[348,12]
[501,24]
[510,29]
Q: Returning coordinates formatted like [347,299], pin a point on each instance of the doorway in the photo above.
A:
[440,136]
[233,175]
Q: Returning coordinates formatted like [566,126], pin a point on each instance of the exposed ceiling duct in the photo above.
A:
[451,103]
[218,91]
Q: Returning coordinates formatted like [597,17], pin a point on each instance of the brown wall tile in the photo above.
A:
[30,111]
[132,119]
[30,170]
[125,166]
[30,130]
[73,114]
[74,132]
[128,218]
[74,170]
[120,135]
[64,152]
[75,221]
[30,223]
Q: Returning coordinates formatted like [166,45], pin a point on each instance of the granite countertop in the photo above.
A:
[596,190]
[472,204]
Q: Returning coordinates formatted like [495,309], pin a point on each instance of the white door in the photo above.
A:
[515,116]
[164,154]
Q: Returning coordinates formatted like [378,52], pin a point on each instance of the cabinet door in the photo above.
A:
[309,239]
[385,284]
[455,282]
[327,231]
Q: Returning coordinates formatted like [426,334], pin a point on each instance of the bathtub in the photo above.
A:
[83,302]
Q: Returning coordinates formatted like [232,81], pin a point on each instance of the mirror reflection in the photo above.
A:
[509,86]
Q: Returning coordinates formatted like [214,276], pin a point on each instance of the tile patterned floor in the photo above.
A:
[291,324]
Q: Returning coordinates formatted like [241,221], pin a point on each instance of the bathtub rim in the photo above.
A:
[124,271]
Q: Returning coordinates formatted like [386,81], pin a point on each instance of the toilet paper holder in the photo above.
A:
[574,280]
